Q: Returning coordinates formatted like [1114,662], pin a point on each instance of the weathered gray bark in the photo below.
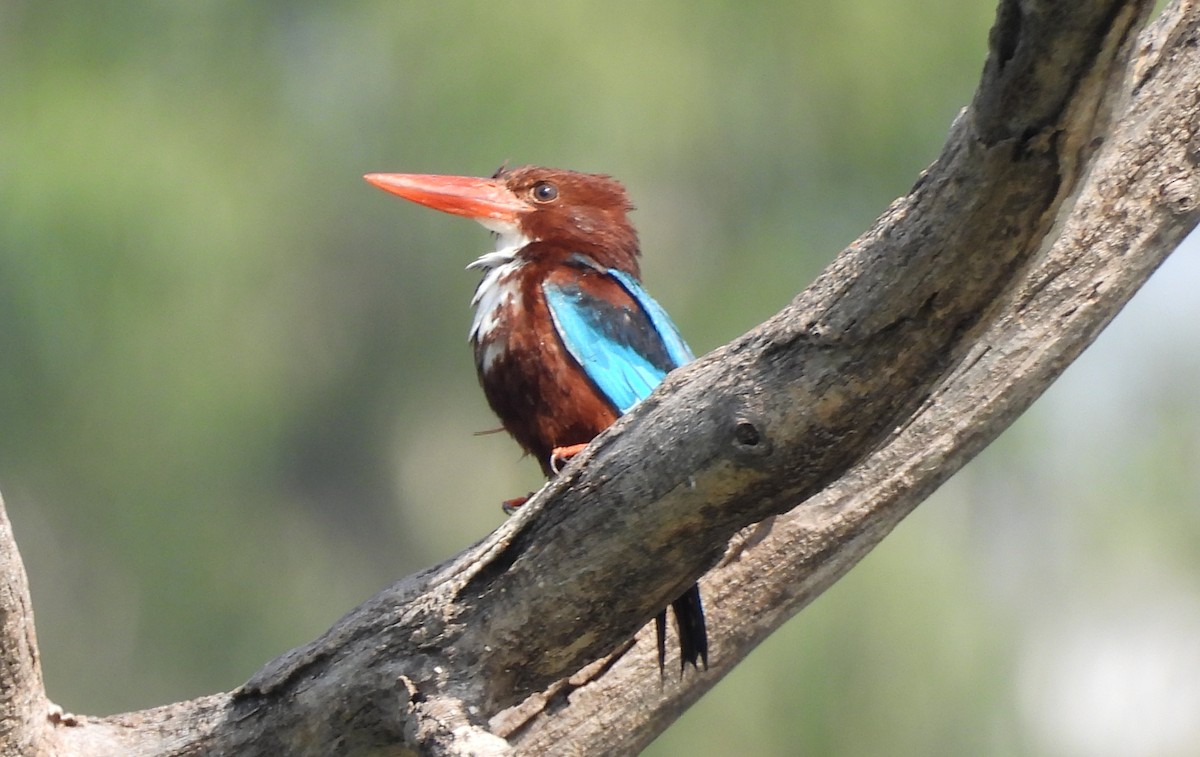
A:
[1060,189]
[23,704]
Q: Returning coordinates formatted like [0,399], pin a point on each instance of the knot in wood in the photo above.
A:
[1179,195]
[749,439]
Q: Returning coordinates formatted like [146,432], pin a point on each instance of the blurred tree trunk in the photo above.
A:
[780,459]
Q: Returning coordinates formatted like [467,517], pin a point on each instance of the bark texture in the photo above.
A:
[1069,178]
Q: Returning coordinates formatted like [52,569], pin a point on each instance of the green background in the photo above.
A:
[236,398]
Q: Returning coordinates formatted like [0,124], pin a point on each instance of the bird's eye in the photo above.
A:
[544,191]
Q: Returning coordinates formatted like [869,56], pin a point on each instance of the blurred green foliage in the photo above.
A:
[236,397]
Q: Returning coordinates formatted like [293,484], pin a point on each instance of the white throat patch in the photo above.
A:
[497,289]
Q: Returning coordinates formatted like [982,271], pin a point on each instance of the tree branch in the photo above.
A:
[1140,200]
[23,703]
[913,350]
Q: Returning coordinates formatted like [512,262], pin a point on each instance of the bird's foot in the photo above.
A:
[509,506]
[560,455]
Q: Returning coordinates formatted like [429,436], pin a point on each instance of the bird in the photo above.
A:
[565,338]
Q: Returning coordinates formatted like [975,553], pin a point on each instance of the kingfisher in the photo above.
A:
[565,338]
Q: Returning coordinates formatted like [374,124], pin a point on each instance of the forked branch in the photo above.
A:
[1058,192]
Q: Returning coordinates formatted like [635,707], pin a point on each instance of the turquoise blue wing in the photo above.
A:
[624,351]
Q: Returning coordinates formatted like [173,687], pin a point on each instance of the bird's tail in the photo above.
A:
[689,623]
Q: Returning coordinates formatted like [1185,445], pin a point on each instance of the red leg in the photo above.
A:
[509,506]
[560,455]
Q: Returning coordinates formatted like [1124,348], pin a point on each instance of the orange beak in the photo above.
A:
[481,199]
